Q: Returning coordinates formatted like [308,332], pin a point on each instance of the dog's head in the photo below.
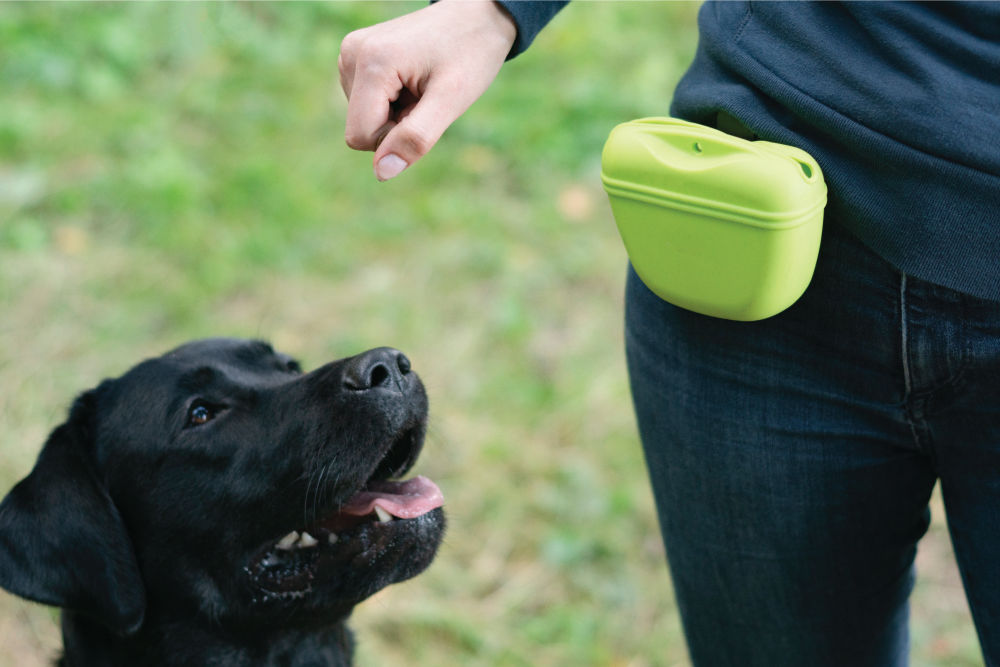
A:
[220,481]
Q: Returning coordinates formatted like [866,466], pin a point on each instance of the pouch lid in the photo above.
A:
[682,165]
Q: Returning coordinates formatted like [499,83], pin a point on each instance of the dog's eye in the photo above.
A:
[199,414]
[293,366]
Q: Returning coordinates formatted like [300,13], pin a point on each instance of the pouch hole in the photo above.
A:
[697,147]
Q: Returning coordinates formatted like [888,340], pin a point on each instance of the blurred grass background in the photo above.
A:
[171,171]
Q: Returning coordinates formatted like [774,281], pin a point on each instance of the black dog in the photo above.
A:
[215,506]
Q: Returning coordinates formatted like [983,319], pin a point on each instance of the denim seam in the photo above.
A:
[920,404]
[909,398]
[907,384]
[964,324]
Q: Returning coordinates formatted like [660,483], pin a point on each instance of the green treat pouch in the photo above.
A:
[713,223]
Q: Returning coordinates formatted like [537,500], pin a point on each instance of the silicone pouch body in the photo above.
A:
[713,223]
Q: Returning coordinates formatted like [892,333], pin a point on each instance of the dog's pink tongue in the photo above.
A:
[404,500]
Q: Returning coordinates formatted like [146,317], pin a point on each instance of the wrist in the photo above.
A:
[490,18]
[502,20]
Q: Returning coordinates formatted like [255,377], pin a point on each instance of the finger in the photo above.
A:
[398,110]
[346,75]
[347,59]
[371,86]
[380,135]
[416,131]
[369,110]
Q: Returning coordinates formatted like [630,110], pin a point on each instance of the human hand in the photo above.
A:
[408,79]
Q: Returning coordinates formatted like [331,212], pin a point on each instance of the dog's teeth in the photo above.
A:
[383,516]
[332,538]
[288,541]
[307,540]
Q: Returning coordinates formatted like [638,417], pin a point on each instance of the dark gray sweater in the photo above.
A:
[898,102]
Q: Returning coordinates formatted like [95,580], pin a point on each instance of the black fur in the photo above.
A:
[152,514]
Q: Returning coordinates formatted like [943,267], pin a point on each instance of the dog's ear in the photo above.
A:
[62,541]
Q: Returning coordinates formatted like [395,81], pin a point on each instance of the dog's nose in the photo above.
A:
[381,367]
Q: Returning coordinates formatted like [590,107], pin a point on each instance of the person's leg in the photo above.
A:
[790,490]
[953,363]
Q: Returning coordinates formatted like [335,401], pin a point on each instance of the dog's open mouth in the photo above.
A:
[381,511]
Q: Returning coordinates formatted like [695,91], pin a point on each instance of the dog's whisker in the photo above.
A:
[305,500]
[336,481]
[313,509]
[314,506]
[314,498]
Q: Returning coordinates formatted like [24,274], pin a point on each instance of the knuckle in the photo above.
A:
[417,140]
[349,45]
[373,68]
[362,51]
[356,141]
[363,46]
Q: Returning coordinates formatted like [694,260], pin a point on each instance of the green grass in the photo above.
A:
[170,171]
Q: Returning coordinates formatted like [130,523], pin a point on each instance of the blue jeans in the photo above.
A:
[792,460]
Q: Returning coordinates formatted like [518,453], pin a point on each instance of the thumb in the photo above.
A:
[415,132]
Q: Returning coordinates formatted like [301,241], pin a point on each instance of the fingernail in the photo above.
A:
[389,167]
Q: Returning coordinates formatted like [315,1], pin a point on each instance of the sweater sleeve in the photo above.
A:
[530,18]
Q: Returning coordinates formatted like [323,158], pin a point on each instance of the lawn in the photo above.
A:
[171,171]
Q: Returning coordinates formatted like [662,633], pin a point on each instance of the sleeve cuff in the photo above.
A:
[530,18]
